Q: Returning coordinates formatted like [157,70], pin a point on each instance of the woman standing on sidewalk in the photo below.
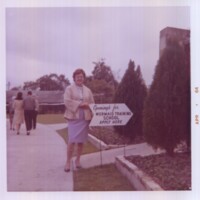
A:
[77,98]
[11,112]
[18,118]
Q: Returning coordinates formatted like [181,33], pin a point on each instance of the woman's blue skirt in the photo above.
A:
[78,129]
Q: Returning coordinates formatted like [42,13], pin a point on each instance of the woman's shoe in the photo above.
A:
[67,168]
[78,165]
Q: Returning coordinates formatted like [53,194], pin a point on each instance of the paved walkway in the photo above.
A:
[36,162]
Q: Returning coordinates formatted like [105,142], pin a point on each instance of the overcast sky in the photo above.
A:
[41,41]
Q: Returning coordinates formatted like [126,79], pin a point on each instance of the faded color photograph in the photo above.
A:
[98,99]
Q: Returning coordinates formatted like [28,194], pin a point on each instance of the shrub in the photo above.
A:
[167,107]
[132,91]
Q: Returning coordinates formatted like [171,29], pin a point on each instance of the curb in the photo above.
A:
[137,177]
[97,143]
[101,145]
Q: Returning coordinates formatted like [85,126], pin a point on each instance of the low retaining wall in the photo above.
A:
[137,177]
[101,145]
[97,143]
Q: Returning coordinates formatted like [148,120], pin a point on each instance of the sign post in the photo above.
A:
[110,115]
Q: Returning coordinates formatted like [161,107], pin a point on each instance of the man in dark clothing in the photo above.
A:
[35,112]
[29,109]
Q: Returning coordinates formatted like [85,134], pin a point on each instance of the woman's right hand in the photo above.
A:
[84,105]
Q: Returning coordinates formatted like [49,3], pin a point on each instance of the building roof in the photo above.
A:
[174,29]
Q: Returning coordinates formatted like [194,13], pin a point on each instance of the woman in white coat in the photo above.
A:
[18,107]
[77,98]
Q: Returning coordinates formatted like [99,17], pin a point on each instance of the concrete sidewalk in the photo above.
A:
[36,162]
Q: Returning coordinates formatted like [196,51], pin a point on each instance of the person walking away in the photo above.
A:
[18,118]
[29,109]
[35,112]
[77,98]
[11,112]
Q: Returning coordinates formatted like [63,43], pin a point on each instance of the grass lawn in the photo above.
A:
[50,118]
[101,178]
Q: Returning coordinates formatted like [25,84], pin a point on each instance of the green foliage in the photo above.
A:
[132,91]
[167,108]
[102,82]
[48,82]
[103,72]
[103,91]
[30,85]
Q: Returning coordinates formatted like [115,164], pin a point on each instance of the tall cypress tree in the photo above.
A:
[167,110]
[132,91]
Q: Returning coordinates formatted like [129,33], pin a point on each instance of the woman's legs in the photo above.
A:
[70,150]
[79,152]
[35,119]
[11,121]
[18,128]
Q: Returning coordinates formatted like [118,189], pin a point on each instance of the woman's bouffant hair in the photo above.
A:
[78,71]
[19,96]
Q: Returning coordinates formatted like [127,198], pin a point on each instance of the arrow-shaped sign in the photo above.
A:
[110,114]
